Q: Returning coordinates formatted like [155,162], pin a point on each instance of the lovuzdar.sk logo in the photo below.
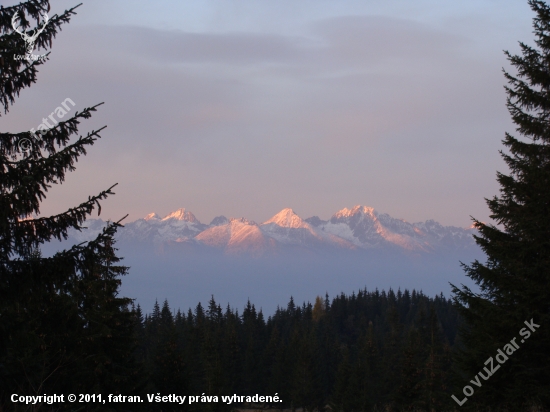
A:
[29,38]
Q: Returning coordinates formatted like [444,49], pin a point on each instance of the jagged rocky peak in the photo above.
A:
[287,218]
[152,216]
[181,214]
[354,212]
[219,221]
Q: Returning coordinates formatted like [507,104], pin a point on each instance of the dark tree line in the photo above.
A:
[353,353]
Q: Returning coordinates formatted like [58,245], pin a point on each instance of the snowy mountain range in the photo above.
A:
[358,229]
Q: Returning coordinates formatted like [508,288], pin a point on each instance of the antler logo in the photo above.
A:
[30,39]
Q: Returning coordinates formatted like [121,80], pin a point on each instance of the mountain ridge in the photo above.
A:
[355,229]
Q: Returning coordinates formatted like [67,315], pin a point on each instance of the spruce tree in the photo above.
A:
[514,282]
[230,349]
[169,374]
[63,329]
[370,369]
[341,400]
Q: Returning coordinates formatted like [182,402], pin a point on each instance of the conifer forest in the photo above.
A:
[350,352]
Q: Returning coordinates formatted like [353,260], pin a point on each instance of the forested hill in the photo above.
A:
[353,353]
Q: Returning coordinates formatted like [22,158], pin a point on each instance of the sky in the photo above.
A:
[243,108]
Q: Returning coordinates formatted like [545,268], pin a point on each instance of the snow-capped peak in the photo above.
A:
[152,216]
[287,218]
[358,209]
[181,214]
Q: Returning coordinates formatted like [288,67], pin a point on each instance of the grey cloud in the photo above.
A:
[340,41]
[176,46]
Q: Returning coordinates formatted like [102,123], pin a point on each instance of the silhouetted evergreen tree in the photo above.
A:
[392,351]
[215,383]
[341,400]
[514,280]
[436,369]
[170,372]
[63,328]
[306,389]
[369,362]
